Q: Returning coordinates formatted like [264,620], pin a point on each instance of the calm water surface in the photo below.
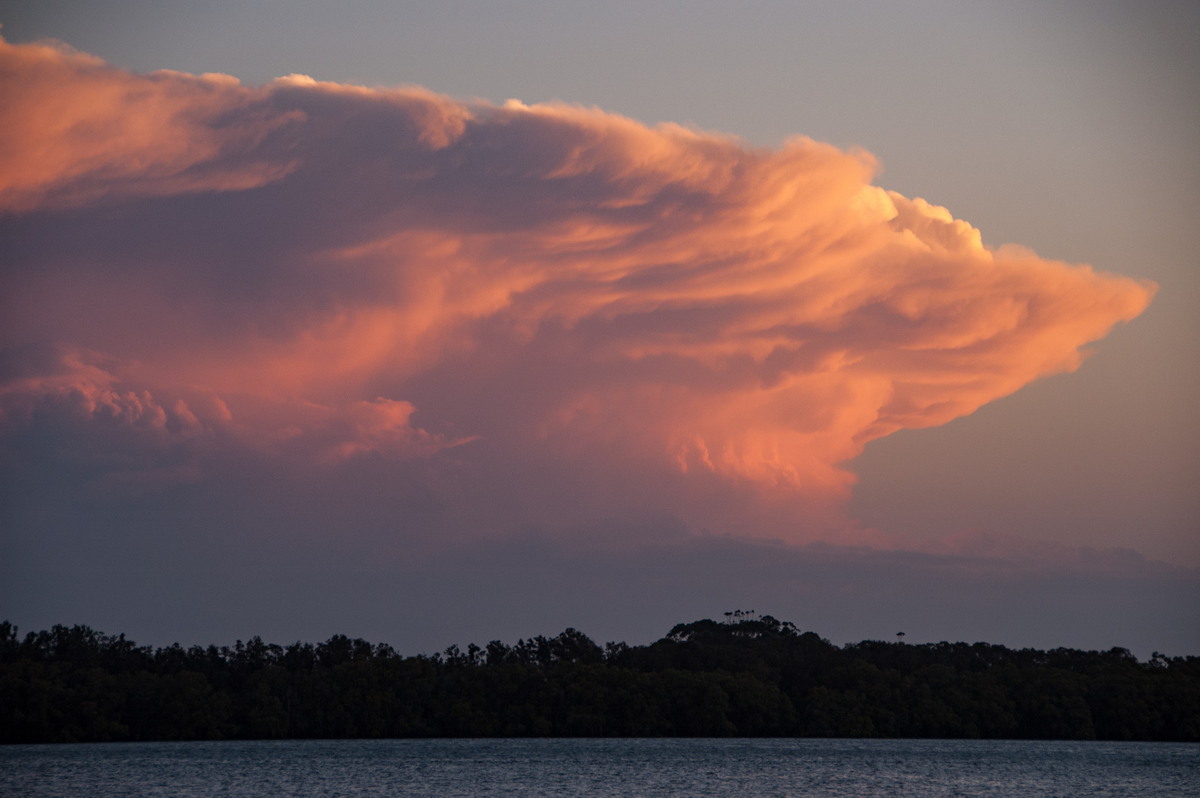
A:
[858,768]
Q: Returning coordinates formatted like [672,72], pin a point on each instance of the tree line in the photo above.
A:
[747,676]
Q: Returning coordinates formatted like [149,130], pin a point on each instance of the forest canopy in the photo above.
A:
[743,676]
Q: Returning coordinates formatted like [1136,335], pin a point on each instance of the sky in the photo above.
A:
[444,323]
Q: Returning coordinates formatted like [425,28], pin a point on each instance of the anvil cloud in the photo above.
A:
[512,315]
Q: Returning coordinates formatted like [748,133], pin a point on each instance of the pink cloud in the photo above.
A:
[79,384]
[673,317]
[73,129]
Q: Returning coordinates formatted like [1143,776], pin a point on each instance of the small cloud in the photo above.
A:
[383,426]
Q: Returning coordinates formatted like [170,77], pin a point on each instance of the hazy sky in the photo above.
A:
[497,318]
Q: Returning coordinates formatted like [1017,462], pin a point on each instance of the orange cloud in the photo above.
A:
[332,262]
[73,128]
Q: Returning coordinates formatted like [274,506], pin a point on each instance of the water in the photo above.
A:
[683,767]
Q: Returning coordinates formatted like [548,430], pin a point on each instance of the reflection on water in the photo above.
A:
[691,767]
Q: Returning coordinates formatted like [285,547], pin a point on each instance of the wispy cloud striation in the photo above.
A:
[528,315]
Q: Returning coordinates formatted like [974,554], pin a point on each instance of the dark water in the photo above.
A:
[858,768]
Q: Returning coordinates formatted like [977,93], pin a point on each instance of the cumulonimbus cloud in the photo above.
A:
[343,272]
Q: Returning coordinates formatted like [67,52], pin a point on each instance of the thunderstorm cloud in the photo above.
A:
[466,318]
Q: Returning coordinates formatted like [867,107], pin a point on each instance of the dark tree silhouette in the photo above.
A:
[747,675]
